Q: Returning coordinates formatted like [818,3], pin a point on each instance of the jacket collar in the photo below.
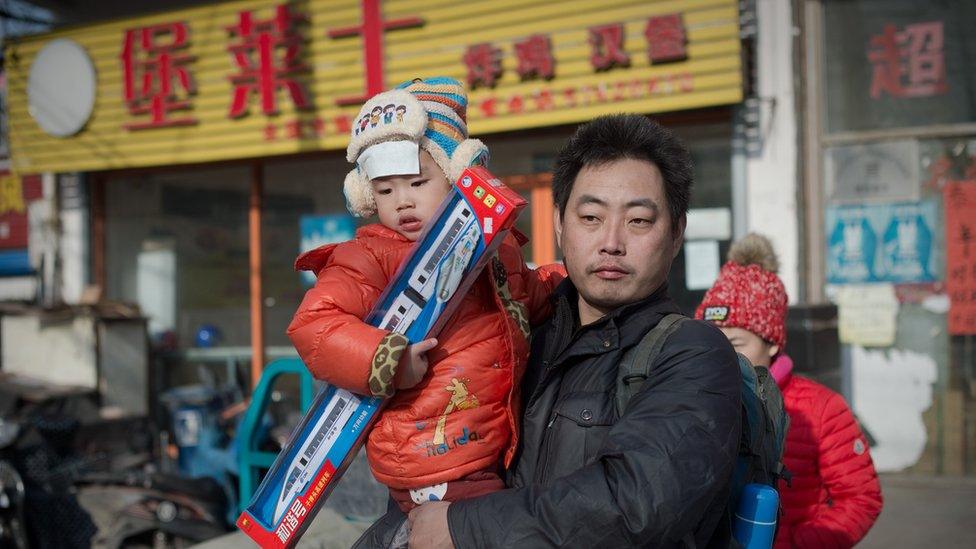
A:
[566,292]
[781,369]
[624,326]
[314,259]
[379,230]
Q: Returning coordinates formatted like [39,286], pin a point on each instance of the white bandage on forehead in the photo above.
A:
[390,158]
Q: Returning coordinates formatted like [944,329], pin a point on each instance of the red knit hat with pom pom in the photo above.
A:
[748,294]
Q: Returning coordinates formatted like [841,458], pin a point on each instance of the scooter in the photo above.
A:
[149,508]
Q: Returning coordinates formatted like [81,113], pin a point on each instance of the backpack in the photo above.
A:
[764,421]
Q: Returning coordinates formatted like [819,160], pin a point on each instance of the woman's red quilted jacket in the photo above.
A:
[834,496]
[462,417]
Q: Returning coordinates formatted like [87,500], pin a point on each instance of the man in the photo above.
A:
[584,477]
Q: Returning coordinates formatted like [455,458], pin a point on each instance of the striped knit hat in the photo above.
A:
[393,126]
[748,294]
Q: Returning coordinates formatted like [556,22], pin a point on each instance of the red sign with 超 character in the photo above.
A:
[15,194]
[960,227]
[909,62]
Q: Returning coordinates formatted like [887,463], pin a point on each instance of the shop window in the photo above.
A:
[896,218]
[177,245]
[711,154]
[303,207]
[535,221]
[898,63]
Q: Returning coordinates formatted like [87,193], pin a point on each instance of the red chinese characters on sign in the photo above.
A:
[372,29]
[535,57]
[910,63]
[607,43]
[666,38]
[544,100]
[305,129]
[960,226]
[666,35]
[268,54]
[156,78]
[484,63]
[569,97]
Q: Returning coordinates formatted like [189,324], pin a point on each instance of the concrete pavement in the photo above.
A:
[919,511]
[930,512]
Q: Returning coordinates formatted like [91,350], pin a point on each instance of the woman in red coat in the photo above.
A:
[833,497]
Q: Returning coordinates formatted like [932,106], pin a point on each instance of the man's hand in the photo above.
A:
[428,526]
[413,364]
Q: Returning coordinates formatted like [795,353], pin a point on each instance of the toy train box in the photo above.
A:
[469,226]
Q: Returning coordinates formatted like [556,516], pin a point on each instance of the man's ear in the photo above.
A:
[773,350]
[679,236]
[557,224]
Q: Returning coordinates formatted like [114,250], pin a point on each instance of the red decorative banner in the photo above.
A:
[15,194]
[960,226]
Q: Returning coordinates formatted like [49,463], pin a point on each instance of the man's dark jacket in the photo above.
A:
[656,477]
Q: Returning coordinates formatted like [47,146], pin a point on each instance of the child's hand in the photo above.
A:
[413,364]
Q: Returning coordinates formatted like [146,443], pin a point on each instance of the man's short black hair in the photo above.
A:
[620,136]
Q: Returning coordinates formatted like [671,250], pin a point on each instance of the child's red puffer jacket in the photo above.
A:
[462,418]
[834,497]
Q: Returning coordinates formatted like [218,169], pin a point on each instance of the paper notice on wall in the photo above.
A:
[866,314]
[702,262]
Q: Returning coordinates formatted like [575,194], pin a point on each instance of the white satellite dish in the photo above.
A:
[61,88]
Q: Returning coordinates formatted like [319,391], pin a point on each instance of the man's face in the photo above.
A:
[406,203]
[616,235]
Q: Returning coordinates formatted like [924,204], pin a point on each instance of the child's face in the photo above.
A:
[759,351]
[405,203]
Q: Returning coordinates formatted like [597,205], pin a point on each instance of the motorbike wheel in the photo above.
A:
[12,531]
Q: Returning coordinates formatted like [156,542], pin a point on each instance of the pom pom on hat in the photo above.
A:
[755,249]
[429,112]
[748,294]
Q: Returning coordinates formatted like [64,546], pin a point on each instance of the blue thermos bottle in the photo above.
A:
[754,524]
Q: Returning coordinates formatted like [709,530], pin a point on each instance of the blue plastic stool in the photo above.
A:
[251,460]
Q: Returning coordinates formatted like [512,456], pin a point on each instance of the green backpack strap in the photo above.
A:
[635,365]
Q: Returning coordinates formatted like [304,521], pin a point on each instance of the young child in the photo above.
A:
[834,496]
[451,422]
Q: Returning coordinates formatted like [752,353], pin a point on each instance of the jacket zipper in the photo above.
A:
[547,446]
[548,367]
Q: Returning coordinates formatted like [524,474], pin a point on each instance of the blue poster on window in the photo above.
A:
[319,230]
[851,248]
[883,243]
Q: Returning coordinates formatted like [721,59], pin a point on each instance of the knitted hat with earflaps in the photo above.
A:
[393,126]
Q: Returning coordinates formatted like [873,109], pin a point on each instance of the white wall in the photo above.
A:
[74,239]
[57,352]
[18,288]
[771,176]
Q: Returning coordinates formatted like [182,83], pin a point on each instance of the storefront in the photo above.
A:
[15,194]
[891,201]
[214,137]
